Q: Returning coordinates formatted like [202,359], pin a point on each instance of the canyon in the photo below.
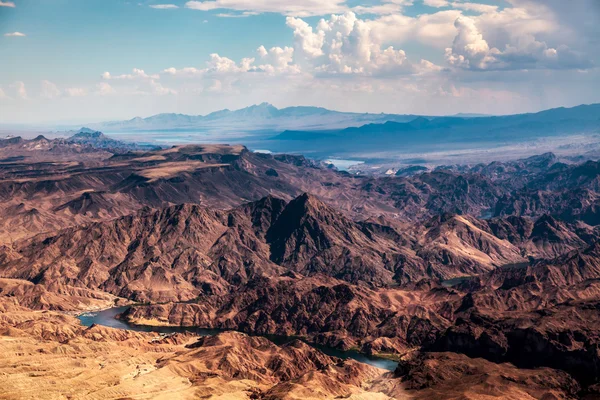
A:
[254,245]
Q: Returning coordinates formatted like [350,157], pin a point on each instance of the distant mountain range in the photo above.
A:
[257,117]
[322,133]
[82,141]
[322,123]
[584,119]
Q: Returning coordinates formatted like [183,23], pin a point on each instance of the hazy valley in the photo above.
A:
[380,140]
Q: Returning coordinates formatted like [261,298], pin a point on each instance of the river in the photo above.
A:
[108,318]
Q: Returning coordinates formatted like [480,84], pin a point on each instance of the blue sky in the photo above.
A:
[76,60]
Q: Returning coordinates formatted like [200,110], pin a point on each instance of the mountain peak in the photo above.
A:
[264,104]
[261,111]
[86,133]
[85,130]
[307,201]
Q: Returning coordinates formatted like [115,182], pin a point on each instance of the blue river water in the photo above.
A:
[108,318]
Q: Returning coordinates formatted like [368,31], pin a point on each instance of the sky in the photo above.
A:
[64,61]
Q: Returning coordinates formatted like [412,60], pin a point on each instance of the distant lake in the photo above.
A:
[343,165]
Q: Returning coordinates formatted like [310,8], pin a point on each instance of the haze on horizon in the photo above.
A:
[73,61]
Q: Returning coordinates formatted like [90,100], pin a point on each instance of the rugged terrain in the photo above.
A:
[216,236]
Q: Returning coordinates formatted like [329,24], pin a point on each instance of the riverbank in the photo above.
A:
[109,318]
[50,355]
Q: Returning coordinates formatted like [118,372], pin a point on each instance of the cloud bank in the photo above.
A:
[460,56]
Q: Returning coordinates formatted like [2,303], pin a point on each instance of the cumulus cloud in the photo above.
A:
[436,30]
[7,4]
[525,18]
[470,50]
[350,52]
[164,6]
[436,3]
[218,64]
[277,60]
[343,44]
[307,42]
[49,90]
[356,55]
[346,44]
[188,71]
[15,34]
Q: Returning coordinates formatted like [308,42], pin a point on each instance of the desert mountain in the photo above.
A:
[179,252]
[219,237]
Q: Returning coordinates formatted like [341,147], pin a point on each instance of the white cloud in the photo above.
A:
[49,90]
[387,7]
[15,34]
[7,4]
[511,23]
[136,74]
[136,83]
[188,71]
[20,89]
[435,29]
[436,3]
[306,41]
[426,67]
[381,9]
[164,6]
[356,58]
[345,44]
[350,53]
[470,50]
[302,8]
[277,60]
[218,64]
